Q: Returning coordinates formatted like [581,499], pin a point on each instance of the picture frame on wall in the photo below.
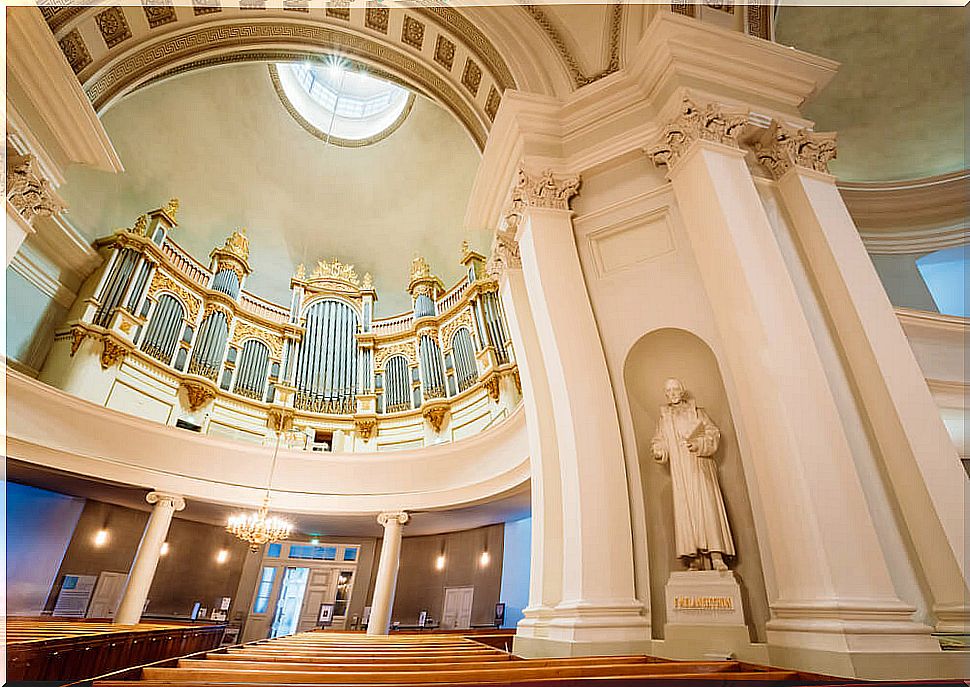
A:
[422,618]
[499,614]
[325,618]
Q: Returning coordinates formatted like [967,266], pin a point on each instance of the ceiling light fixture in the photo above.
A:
[259,527]
[439,562]
[164,549]
[101,538]
[222,556]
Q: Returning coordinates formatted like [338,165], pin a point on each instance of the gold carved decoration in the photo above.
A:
[197,394]
[448,331]
[419,268]
[544,190]
[782,147]
[77,338]
[435,415]
[172,208]
[713,122]
[112,353]
[383,353]
[492,385]
[245,330]
[163,282]
[366,427]
[280,419]
[367,284]
[213,307]
[335,271]
[518,381]
[141,226]
[238,244]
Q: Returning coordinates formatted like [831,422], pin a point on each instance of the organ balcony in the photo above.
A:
[158,334]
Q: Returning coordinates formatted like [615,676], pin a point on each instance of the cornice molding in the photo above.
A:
[36,62]
[932,321]
[913,216]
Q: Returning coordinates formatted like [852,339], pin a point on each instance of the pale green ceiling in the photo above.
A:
[221,141]
[898,100]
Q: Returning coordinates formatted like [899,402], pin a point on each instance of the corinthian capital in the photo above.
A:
[712,122]
[544,190]
[505,249]
[782,147]
[28,190]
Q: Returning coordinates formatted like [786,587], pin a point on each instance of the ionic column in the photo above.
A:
[922,463]
[386,583]
[545,574]
[598,610]
[146,558]
[829,585]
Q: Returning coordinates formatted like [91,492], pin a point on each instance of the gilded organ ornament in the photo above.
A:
[335,274]
[464,319]
[435,415]
[366,427]
[238,244]
[112,353]
[245,330]
[163,282]
[197,394]
[382,353]
[172,208]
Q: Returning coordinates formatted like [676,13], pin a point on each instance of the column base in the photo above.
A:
[872,665]
[697,642]
[583,629]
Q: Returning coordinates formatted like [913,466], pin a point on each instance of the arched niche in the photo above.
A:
[657,356]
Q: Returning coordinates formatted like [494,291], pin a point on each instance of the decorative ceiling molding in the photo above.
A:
[562,41]
[916,216]
[471,85]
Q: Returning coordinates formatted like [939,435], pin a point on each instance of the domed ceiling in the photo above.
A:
[224,143]
[898,100]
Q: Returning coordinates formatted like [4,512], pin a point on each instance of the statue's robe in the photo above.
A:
[700,520]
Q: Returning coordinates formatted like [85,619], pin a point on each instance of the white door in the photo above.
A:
[319,590]
[457,613]
[107,595]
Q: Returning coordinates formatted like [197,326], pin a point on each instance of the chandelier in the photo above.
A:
[259,527]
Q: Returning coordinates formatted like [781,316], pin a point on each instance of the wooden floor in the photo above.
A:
[344,659]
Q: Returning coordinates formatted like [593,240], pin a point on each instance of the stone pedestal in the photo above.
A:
[705,617]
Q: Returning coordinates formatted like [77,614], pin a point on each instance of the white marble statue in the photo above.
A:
[687,439]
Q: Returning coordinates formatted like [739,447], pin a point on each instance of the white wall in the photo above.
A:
[516,558]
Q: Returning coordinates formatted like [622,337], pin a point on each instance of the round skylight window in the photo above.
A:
[339,103]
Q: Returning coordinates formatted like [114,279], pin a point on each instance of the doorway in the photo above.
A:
[290,603]
[457,613]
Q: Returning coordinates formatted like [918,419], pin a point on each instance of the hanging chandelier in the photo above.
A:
[259,527]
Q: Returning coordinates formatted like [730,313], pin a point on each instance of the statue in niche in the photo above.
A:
[687,440]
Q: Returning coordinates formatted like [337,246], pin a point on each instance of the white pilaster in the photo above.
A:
[598,611]
[146,558]
[829,586]
[928,479]
[386,583]
[545,580]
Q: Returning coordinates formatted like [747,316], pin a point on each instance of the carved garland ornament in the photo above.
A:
[77,338]
[505,249]
[782,147]
[163,282]
[492,385]
[244,330]
[28,190]
[712,122]
[382,354]
[213,307]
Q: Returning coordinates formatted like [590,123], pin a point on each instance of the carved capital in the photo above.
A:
[435,415]
[28,190]
[155,497]
[712,122]
[197,394]
[782,147]
[366,427]
[112,353]
[398,517]
[544,190]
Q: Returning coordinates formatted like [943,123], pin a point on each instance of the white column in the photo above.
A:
[386,583]
[598,611]
[18,229]
[829,584]
[545,580]
[928,479]
[146,558]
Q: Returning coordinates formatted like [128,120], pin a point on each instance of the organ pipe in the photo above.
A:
[114,287]
[226,281]
[253,367]
[164,328]
[210,346]
[139,288]
[326,375]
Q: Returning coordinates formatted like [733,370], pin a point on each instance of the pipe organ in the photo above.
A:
[324,361]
